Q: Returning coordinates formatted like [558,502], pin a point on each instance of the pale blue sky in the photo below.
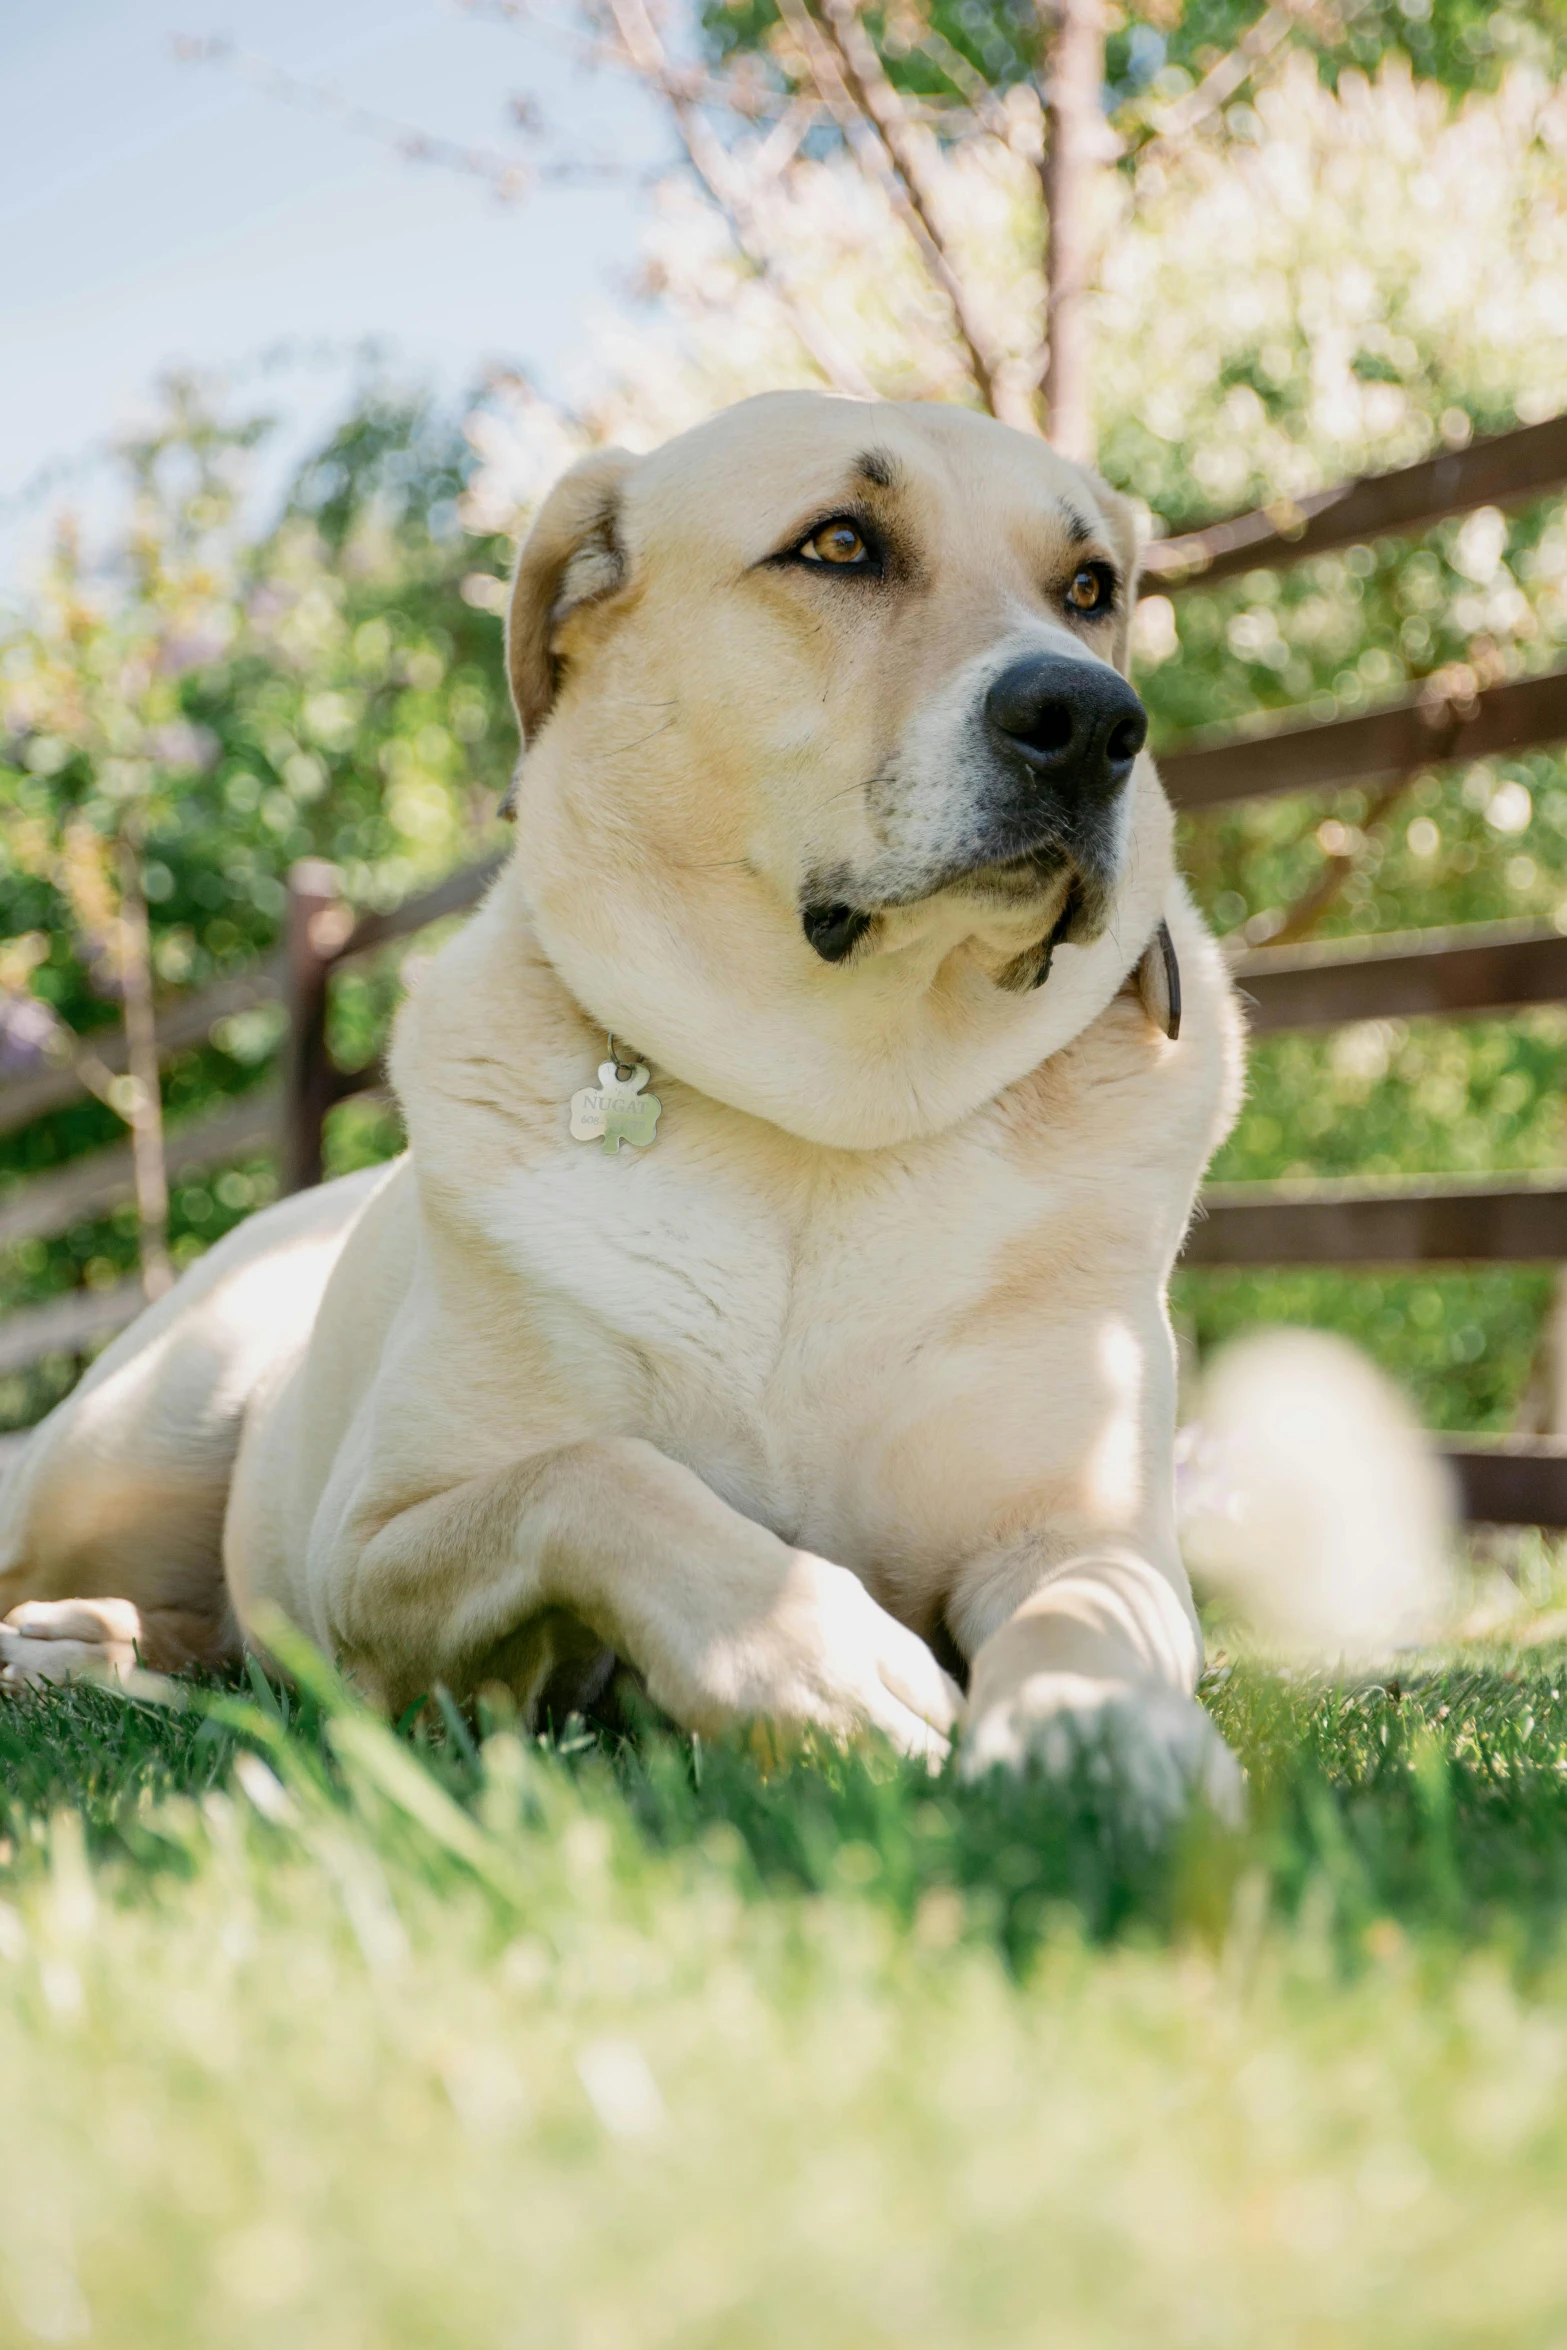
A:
[153,212]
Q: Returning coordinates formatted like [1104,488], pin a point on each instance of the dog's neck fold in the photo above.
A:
[718,989]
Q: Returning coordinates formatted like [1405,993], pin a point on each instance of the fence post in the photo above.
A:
[318,923]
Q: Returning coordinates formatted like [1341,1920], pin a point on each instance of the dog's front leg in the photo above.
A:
[1103,1652]
[725,1622]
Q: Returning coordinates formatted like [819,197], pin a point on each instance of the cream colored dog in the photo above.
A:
[833,814]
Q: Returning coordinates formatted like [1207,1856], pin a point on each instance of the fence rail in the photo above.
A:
[183,1023]
[1329,1223]
[67,1324]
[1482,967]
[43,1205]
[1425,731]
[1504,470]
[1491,968]
[1510,1480]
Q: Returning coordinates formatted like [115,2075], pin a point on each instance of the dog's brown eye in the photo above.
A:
[835,542]
[1091,589]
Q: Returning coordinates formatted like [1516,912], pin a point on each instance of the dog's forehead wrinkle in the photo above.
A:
[880,468]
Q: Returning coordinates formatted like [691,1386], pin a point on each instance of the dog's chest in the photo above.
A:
[756,1323]
[648,1260]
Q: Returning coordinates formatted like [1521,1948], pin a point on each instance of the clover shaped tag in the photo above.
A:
[616,1108]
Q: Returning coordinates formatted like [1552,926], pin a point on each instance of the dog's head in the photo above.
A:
[829,748]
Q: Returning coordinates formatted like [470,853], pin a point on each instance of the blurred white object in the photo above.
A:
[1310,1497]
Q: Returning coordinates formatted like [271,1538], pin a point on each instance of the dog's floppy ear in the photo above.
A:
[571,557]
[1122,526]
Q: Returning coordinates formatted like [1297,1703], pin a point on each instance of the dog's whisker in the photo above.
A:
[652,735]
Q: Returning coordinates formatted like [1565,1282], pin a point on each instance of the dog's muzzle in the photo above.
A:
[1048,750]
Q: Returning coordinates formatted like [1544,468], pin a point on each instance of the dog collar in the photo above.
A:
[619,1109]
[1158,981]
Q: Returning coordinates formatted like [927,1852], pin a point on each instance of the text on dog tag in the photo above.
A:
[616,1110]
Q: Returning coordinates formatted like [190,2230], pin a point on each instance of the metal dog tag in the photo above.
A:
[616,1109]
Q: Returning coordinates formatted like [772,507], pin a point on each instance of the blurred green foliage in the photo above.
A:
[1479,599]
[1158,52]
[336,697]
[324,688]
[1461,1341]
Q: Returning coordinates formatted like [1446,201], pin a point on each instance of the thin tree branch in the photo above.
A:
[1220,83]
[749,97]
[875,132]
[709,159]
[782,143]
[870,85]
[1302,917]
[144,1110]
[499,173]
[91,1070]
[969,83]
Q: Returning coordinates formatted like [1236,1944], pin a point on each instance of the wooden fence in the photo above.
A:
[284,1117]
[1478,969]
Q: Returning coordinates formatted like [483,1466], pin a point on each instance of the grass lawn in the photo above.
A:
[313,2034]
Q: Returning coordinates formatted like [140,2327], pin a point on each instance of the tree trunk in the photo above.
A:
[1074,145]
[143,1110]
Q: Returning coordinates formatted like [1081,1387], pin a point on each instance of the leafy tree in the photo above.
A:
[182,722]
[1156,55]
[1308,275]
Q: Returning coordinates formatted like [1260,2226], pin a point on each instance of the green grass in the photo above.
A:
[463,2038]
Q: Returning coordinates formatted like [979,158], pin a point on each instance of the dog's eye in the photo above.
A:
[836,542]
[1092,589]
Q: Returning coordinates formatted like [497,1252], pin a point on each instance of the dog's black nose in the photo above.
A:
[1075,724]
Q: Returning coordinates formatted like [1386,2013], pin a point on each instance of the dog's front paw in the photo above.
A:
[47,1640]
[821,1655]
[1157,1748]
